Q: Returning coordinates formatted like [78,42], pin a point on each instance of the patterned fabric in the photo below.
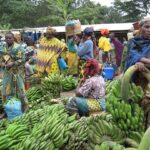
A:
[93,87]
[81,66]
[13,84]
[138,47]
[47,55]
[72,59]
[84,106]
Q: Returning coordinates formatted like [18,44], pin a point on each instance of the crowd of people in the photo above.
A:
[85,56]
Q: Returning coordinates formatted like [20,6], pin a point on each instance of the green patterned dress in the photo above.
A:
[13,83]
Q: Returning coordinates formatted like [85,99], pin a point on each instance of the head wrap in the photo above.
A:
[91,68]
[50,30]
[143,21]
[17,37]
[88,31]
[104,31]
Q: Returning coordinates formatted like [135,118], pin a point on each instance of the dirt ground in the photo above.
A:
[68,94]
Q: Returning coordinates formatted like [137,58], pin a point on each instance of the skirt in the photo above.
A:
[81,66]
[84,106]
[72,63]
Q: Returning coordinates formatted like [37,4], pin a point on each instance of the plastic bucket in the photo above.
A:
[108,73]
[62,64]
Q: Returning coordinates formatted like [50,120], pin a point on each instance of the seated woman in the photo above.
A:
[90,93]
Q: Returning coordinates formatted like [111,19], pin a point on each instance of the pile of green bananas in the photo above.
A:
[109,146]
[144,144]
[52,84]
[34,93]
[128,116]
[78,139]
[100,131]
[69,83]
[13,135]
[47,128]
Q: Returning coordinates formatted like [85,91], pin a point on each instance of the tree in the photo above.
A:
[132,10]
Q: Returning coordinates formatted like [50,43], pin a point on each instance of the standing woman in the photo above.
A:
[104,46]
[72,57]
[85,50]
[12,62]
[50,49]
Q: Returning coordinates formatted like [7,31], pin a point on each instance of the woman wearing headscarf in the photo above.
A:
[104,46]
[90,93]
[139,48]
[85,50]
[50,48]
[12,61]
[72,56]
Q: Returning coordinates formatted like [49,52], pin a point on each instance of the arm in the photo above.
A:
[19,58]
[84,89]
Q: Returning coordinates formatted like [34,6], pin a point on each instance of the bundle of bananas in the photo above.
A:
[78,139]
[69,83]
[51,133]
[13,135]
[100,131]
[34,93]
[52,84]
[128,116]
[108,146]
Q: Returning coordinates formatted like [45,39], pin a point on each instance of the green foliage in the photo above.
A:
[37,13]
[132,10]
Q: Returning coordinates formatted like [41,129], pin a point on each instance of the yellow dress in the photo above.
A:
[49,51]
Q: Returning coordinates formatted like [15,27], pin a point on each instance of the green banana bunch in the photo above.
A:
[103,146]
[34,93]
[128,117]
[53,84]
[78,137]
[69,83]
[136,93]
[101,131]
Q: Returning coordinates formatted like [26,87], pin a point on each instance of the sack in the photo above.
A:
[13,108]
[62,64]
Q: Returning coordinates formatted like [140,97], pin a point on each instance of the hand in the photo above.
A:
[140,66]
[9,65]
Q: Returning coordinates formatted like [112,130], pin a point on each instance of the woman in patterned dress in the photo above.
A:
[50,49]
[90,93]
[12,61]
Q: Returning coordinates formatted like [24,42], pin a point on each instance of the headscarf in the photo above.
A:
[104,32]
[88,31]
[50,30]
[91,68]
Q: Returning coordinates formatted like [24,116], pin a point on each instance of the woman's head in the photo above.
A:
[9,38]
[88,32]
[104,32]
[145,28]
[50,32]
[91,68]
